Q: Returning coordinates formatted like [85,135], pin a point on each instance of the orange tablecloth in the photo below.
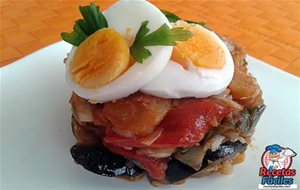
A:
[270,30]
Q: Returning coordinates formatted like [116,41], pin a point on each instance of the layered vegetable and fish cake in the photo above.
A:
[154,94]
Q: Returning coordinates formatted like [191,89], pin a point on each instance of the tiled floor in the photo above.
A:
[270,30]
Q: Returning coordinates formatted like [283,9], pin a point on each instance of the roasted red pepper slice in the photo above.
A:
[183,126]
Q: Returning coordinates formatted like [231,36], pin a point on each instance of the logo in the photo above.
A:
[276,171]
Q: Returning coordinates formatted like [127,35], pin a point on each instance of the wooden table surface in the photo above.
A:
[269,29]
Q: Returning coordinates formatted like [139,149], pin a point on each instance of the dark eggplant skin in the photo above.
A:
[256,113]
[101,161]
[249,118]
[177,171]
[228,148]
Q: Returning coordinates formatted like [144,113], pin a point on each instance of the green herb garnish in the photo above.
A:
[162,36]
[182,150]
[173,18]
[92,21]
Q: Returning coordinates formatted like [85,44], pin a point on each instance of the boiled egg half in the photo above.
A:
[200,67]
[101,69]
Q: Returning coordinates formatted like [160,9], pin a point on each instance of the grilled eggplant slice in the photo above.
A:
[178,171]
[101,161]
[249,119]
[228,148]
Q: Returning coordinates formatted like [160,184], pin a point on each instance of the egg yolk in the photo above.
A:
[178,58]
[100,59]
[201,49]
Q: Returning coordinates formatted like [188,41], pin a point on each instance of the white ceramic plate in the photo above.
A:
[36,133]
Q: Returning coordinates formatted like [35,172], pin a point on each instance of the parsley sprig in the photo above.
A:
[163,36]
[92,21]
[173,18]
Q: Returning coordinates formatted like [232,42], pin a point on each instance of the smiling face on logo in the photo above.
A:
[274,156]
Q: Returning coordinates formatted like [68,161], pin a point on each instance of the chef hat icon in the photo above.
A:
[274,148]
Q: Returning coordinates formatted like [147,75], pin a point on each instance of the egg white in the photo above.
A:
[126,17]
[176,82]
